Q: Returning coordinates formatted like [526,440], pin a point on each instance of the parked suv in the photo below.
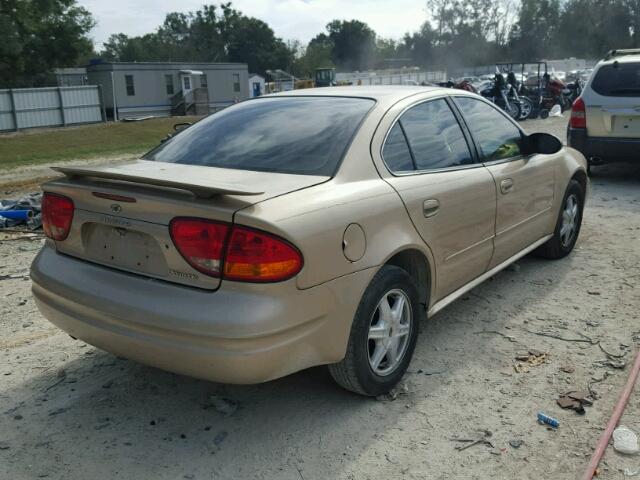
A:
[605,119]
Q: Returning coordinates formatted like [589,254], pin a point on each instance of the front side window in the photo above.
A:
[168,80]
[203,81]
[271,135]
[434,136]
[236,82]
[618,80]
[131,89]
[495,135]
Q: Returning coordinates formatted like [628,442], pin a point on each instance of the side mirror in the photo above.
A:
[181,126]
[541,143]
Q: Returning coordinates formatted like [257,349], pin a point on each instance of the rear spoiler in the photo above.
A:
[159,179]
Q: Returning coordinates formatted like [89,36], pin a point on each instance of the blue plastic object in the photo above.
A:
[17,214]
[548,420]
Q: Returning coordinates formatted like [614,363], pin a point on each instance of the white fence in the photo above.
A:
[50,106]
[380,78]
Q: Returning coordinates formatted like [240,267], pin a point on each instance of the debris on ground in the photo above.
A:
[24,211]
[531,358]
[516,443]
[546,419]
[222,405]
[401,389]
[567,369]
[625,441]
[470,442]
[575,400]
[631,472]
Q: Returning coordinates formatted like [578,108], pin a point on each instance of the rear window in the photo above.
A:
[618,80]
[301,135]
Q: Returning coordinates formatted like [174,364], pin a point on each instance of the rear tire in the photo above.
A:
[568,224]
[382,338]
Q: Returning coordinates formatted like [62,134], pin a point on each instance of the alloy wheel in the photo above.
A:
[389,332]
[569,220]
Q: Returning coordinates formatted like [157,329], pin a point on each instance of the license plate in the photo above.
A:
[123,248]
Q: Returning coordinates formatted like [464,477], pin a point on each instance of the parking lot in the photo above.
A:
[70,411]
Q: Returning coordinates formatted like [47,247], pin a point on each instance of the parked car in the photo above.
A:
[605,118]
[306,228]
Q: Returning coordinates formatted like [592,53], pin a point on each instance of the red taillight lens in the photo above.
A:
[248,255]
[254,256]
[57,214]
[200,242]
[578,114]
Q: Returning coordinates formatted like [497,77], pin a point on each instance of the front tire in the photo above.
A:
[526,107]
[568,224]
[513,110]
[383,335]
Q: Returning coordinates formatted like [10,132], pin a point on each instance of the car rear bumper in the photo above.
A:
[239,334]
[604,148]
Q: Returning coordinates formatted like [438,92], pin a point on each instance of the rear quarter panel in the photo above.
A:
[316,218]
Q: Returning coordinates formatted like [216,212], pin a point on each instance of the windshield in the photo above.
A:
[618,80]
[301,135]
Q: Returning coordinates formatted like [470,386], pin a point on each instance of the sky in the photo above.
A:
[290,19]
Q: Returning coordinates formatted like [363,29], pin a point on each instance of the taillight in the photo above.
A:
[578,114]
[254,256]
[248,255]
[57,214]
[200,242]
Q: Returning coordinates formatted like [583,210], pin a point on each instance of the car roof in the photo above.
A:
[621,59]
[380,93]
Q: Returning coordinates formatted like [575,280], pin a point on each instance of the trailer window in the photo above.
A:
[168,80]
[131,89]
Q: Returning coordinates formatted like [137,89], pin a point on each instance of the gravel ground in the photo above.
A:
[70,411]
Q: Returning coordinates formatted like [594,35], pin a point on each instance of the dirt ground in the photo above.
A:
[70,411]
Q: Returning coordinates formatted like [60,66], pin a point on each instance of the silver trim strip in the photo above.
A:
[528,219]
[466,249]
[439,305]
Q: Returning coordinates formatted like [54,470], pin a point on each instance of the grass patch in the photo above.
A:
[83,142]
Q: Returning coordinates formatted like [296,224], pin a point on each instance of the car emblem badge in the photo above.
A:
[115,208]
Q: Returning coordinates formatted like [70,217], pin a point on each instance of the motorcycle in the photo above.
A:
[572,91]
[504,97]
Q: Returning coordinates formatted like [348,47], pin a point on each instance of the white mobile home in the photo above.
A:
[164,88]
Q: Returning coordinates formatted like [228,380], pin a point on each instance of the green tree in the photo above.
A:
[317,54]
[38,35]
[589,28]
[354,44]
[535,32]
[420,45]
[212,34]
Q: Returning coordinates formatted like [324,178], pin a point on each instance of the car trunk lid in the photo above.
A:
[122,213]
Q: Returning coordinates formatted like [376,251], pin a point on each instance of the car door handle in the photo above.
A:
[430,207]
[506,185]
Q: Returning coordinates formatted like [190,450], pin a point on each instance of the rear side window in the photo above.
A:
[396,152]
[497,137]
[435,139]
[300,135]
[618,80]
